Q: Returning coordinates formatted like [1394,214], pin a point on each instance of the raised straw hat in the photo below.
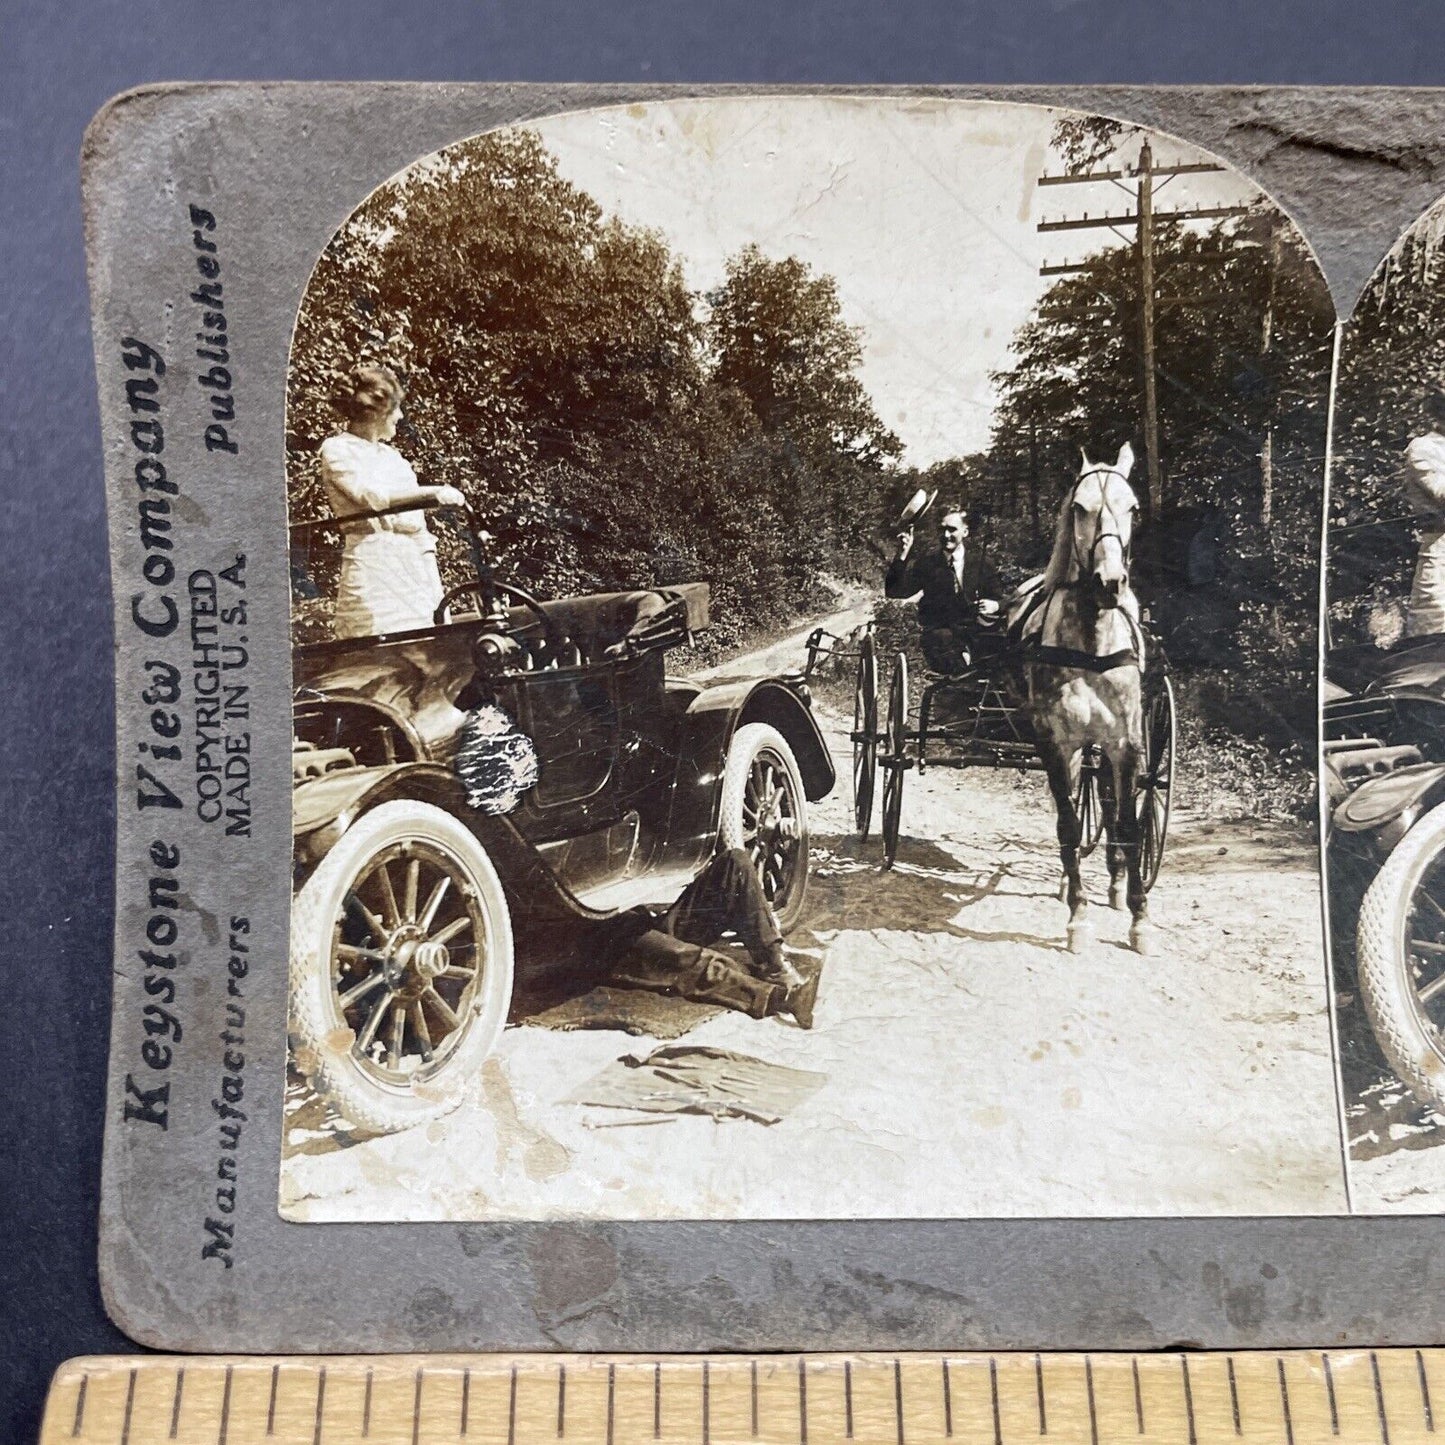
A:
[918,504]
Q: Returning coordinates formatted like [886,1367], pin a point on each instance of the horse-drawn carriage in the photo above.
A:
[1078,690]
[975,719]
[984,724]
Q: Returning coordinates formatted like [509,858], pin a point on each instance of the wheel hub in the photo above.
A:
[413,962]
[773,822]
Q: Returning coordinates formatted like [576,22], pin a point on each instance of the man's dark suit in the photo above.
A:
[948,608]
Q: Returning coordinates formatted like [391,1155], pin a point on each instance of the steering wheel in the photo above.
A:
[556,638]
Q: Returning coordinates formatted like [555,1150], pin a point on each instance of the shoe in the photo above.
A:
[787,977]
[798,1002]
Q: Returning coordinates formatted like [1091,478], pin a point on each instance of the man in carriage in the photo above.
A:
[956,587]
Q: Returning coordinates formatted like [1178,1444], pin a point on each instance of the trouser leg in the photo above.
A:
[666,964]
[727,897]
[944,649]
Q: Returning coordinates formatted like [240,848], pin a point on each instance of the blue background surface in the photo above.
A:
[58,64]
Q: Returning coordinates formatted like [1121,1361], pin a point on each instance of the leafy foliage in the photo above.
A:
[610,426]
[1392,356]
[1243,340]
[615,428]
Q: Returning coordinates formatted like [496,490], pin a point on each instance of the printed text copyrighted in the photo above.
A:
[190,773]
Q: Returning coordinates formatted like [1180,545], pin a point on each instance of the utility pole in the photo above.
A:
[1266,450]
[1033,477]
[1145,243]
[1143,221]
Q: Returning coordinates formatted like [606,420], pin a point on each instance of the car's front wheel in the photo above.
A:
[401,967]
[765,813]
[1401,958]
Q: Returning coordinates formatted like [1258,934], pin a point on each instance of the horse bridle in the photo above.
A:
[1085,565]
[1038,650]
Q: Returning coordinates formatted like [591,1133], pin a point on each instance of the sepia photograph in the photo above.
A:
[1383,761]
[805,645]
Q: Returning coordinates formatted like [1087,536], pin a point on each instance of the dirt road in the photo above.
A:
[973,1066]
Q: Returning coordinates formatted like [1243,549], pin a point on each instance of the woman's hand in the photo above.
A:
[449,497]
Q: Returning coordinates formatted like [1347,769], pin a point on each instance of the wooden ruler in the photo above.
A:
[1367,1397]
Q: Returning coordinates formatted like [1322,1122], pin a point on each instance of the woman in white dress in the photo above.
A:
[1424,475]
[389,579]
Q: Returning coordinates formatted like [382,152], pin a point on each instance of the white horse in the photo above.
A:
[1084,664]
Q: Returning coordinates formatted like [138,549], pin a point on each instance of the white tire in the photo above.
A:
[401,967]
[764,811]
[1389,985]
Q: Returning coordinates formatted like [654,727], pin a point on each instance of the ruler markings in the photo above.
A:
[898,1396]
[993,1394]
[1380,1399]
[129,1406]
[225,1426]
[1188,1399]
[80,1406]
[176,1402]
[320,1405]
[148,1400]
[802,1401]
[1284,1401]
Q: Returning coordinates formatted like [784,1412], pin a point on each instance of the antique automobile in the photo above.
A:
[1383,754]
[411,906]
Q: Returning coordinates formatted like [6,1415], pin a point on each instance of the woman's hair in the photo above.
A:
[368,393]
[1435,404]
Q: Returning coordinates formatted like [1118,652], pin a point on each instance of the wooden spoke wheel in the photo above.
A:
[894,763]
[764,811]
[865,735]
[1401,958]
[1090,799]
[1156,780]
[401,967]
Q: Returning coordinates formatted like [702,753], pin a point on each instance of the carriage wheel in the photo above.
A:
[865,735]
[895,761]
[1090,798]
[1156,785]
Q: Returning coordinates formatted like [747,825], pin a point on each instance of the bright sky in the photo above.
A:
[923,210]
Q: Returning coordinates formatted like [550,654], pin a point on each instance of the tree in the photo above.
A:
[527,325]
[1243,346]
[609,427]
[778,339]
[1085,140]
[1392,356]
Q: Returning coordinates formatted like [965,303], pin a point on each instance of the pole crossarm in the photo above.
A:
[1131,218]
[1077,178]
